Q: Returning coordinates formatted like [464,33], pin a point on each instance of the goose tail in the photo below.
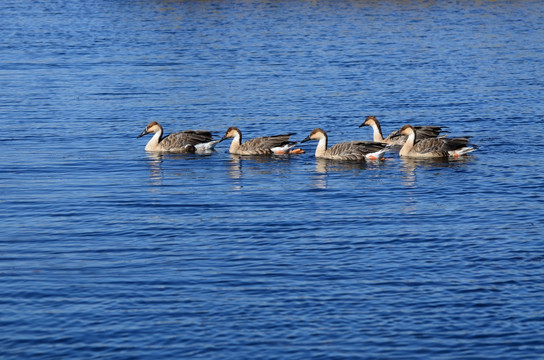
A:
[462,151]
[284,148]
[379,154]
[207,146]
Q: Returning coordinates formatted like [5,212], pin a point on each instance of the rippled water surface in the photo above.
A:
[107,251]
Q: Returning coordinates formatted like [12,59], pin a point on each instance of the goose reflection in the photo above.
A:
[319,181]
[254,167]
[235,171]
[154,162]
[324,166]
[409,166]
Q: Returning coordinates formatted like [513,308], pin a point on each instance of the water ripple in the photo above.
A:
[109,252]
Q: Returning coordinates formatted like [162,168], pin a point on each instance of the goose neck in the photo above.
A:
[153,144]
[236,142]
[321,146]
[408,145]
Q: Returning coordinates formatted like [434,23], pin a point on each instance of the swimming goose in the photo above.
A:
[266,145]
[432,147]
[353,150]
[395,138]
[188,141]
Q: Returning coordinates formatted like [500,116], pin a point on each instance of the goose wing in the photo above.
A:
[266,142]
[187,137]
[422,132]
[439,144]
[355,148]
[451,144]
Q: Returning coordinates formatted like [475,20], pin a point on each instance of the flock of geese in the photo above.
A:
[424,142]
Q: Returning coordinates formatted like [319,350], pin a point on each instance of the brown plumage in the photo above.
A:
[266,145]
[432,147]
[187,141]
[352,150]
[395,138]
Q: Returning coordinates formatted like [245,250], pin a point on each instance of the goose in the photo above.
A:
[188,141]
[266,145]
[432,147]
[353,150]
[395,138]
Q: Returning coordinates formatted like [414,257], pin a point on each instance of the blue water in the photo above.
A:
[109,252]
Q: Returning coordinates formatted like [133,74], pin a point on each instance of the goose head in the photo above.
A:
[316,134]
[232,132]
[407,130]
[151,128]
[371,121]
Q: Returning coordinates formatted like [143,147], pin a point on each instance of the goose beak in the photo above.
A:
[396,133]
[142,134]
[307,138]
[363,124]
